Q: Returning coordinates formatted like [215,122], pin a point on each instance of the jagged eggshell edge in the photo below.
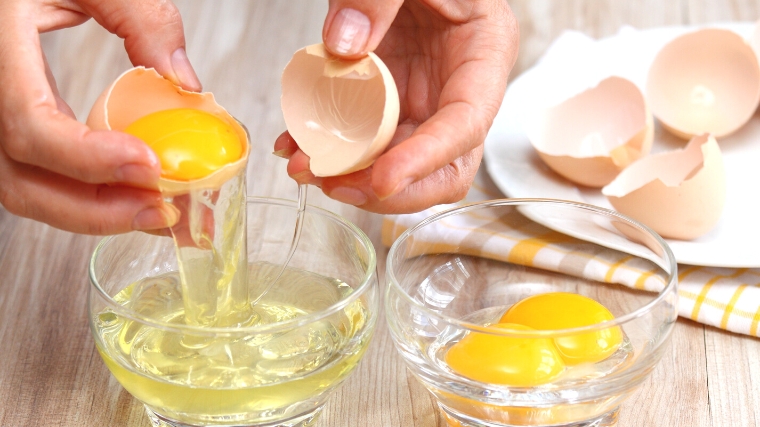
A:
[141,91]
[600,167]
[680,194]
[331,156]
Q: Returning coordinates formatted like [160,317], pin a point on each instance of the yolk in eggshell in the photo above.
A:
[190,144]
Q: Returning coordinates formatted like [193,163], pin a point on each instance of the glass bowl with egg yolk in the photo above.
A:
[530,312]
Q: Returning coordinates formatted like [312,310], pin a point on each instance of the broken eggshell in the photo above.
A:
[679,194]
[592,136]
[141,91]
[341,113]
[707,81]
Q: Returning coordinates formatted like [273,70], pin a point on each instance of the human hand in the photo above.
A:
[56,170]
[450,60]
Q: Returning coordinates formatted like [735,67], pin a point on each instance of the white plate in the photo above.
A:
[574,63]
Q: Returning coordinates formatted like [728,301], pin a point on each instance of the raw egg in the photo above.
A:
[707,81]
[507,360]
[680,194]
[562,310]
[143,103]
[341,113]
[592,136]
[191,144]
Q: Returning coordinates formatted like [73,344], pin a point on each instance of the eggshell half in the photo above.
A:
[679,194]
[141,91]
[341,113]
[706,81]
[592,136]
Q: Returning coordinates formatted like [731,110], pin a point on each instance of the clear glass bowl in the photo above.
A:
[324,310]
[452,277]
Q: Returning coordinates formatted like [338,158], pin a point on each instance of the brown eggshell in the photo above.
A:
[341,113]
[141,91]
[679,194]
[592,136]
[707,81]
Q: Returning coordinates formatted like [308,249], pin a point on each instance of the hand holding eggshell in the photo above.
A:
[55,169]
[139,92]
[449,90]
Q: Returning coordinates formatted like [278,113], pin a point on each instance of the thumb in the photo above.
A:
[355,27]
[153,35]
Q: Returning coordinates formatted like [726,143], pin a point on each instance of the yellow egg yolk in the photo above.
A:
[561,310]
[505,360]
[190,144]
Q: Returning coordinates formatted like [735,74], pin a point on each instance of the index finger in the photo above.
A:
[32,129]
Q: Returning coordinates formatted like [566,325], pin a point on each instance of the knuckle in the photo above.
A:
[12,197]
[165,14]
[99,227]
[507,17]
[457,192]
[15,145]
[100,224]
[10,200]
[17,149]
[460,174]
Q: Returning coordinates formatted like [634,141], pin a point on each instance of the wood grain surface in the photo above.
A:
[50,373]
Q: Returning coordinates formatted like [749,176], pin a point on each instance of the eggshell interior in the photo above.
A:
[706,81]
[341,113]
[679,194]
[141,91]
[592,136]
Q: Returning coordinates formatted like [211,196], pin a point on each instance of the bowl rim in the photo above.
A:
[669,290]
[363,287]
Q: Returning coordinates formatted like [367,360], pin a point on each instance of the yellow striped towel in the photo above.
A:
[727,298]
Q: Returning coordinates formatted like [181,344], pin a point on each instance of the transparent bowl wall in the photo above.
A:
[435,285]
[329,246]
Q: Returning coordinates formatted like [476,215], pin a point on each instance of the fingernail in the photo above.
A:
[399,188]
[348,33]
[348,195]
[184,71]
[137,175]
[155,218]
[285,153]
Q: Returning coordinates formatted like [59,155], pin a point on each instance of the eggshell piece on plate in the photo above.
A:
[341,113]
[592,136]
[679,194]
[141,91]
[707,81]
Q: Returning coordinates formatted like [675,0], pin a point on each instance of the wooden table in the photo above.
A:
[50,373]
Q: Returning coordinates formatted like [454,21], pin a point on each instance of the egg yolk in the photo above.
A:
[560,310]
[190,144]
[496,359]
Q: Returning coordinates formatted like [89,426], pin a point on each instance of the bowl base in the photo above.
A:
[456,419]
[308,419]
